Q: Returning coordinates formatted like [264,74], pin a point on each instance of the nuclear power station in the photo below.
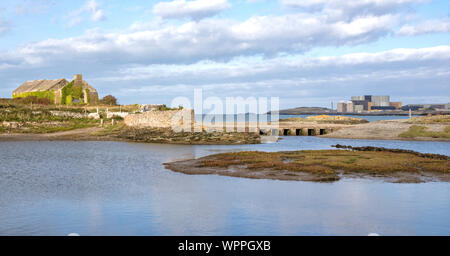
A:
[368,103]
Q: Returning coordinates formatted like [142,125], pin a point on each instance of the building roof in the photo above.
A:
[41,85]
[48,85]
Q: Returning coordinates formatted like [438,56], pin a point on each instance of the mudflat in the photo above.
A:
[147,135]
[75,135]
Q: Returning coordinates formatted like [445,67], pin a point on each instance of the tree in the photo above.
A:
[109,100]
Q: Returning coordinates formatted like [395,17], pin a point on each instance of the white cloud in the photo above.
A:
[399,72]
[348,9]
[295,67]
[214,39]
[426,27]
[91,8]
[196,9]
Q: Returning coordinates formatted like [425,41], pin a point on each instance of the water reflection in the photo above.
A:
[112,188]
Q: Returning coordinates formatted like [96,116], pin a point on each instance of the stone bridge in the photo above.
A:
[283,128]
[164,119]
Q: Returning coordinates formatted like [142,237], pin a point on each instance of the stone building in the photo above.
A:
[59,91]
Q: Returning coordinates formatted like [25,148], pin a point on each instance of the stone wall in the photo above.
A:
[113,114]
[162,119]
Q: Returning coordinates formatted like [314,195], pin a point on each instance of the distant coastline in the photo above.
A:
[327,111]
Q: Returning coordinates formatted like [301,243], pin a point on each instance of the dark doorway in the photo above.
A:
[298,132]
[322,131]
[311,132]
[286,132]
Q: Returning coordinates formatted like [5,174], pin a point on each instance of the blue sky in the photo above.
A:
[307,52]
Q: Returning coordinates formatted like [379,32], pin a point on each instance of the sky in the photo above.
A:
[306,52]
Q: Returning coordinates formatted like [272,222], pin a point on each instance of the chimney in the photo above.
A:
[78,79]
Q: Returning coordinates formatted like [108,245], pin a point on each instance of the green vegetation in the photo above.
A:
[69,93]
[68,100]
[39,94]
[33,100]
[109,100]
[59,127]
[72,92]
[16,117]
[329,162]
[165,108]
[421,131]
[436,119]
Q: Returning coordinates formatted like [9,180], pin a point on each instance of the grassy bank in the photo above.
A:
[18,118]
[436,119]
[421,131]
[320,165]
[27,118]
[328,161]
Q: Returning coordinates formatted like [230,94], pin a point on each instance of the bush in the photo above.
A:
[117,118]
[44,101]
[69,100]
[109,100]
[33,100]
[163,107]
[30,99]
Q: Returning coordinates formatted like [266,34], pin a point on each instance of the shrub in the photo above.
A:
[44,101]
[109,100]
[69,100]
[33,100]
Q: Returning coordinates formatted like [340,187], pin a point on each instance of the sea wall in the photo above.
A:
[162,119]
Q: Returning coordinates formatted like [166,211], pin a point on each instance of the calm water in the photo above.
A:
[114,188]
[255,117]
[368,118]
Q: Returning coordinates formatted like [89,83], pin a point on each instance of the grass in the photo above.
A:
[327,162]
[28,118]
[421,131]
[437,119]
[115,129]
[59,127]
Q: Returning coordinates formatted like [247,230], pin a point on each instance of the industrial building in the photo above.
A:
[418,107]
[368,103]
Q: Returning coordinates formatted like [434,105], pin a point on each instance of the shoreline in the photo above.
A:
[385,130]
[156,136]
[85,135]
[330,136]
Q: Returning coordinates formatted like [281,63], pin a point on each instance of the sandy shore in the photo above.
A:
[86,134]
[380,130]
[383,130]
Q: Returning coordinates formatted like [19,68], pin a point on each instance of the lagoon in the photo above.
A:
[118,188]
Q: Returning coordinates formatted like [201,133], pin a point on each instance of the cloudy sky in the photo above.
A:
[307,52]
